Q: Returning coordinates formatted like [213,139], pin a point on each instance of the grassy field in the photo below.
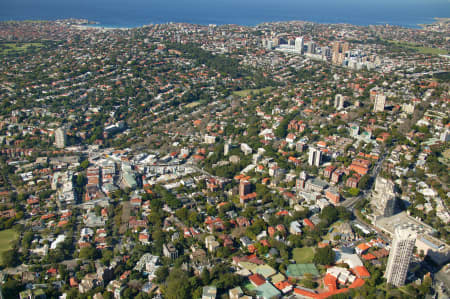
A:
[303,255]
[6,237]
[18,47]
[246,92]
[249,286]
[193,104]
[418,48]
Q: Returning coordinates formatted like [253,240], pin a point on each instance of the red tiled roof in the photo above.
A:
[257,279]
[361,272]
[368,257]
[357,283]
[265,243]
[306,293]
[282,213]
[62,223]
[308,223]
[73,282]
[363,246]
[52,271]
[282,285]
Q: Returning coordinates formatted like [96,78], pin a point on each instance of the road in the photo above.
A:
[350,203]
[16,270]
[380,233]
[201,170]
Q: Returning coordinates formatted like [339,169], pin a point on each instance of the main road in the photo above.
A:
[350,203]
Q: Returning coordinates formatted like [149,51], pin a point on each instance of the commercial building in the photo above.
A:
[315,185]
[60,138]
[299,44]
[436,250]
[311,47]
[338,52]
[333,195]
[244,188]
[209,139]
[300,183]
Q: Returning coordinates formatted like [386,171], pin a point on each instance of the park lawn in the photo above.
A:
[249,286]
[420,49]
[18,47]
[303,255]
[193,104]
[246,92]
[6,237]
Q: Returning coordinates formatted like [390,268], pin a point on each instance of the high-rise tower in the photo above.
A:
[400,255]
[338,52]
[384,198]
[380,101]
[315,157]
[339,102]
[299,44]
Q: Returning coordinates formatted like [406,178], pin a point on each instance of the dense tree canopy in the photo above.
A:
[324,256]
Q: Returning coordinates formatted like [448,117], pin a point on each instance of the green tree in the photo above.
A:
[73,293]
[107,256]
[84,164]
[353,192]
[11,258]
[11,289]
[161,274]
[425,287]
[205,276]
[281,130]
[364,182]
[26,240]
[88,253]
[330,214]
[308,283]
[324,256]
[182,214]
[177,286]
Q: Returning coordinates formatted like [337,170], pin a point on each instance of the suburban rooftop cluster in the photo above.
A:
[284,160]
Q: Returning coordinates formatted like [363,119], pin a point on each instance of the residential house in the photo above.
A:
[89,282]
[211,243]
[170,251]
[209,292]
[295,228]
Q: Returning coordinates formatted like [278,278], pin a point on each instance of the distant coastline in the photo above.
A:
[136,13]
[89,24]
[102,27]
[441,24]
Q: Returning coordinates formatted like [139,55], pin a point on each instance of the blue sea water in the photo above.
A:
[135,13]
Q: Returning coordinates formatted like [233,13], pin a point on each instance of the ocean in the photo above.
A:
[136,13]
